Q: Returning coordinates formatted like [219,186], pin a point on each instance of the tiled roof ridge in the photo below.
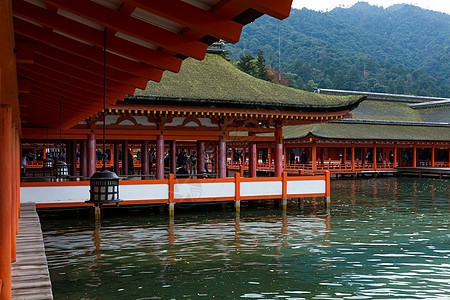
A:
[391,122]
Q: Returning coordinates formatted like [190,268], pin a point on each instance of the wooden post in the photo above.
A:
[269,156]
[92,157]
[144,159]
[278,151]
[124,157]
[237,192]
[5,201]
[433,156]
[73,157]
[353,157]
[171,196]
[252,160]
[173,157]
[395,156]
[328,188]
[200,157]
[314,157]
[414,156]
[116,157]
[159,157]
[374,157]
[83,158]
[241,170]
[284,192]
[221,161]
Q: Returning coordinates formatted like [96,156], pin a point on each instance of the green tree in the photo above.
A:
[247,64]
[261,66]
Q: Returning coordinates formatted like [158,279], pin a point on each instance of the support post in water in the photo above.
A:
[237,192]
[327,188]
[284,191]
[97,212]
[171,195]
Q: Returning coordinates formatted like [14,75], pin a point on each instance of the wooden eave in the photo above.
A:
[59,47]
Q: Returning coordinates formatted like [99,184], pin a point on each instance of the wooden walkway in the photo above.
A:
[30,276]
[425,171]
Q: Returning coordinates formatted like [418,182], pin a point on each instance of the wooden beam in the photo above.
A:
[95,36]
[131,26]
[192,17]
[94,67]
[87,51]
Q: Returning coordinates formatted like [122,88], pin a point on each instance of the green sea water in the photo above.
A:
[385,238]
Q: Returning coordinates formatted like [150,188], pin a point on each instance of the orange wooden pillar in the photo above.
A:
[200,157]
[221,161]
[124,157]
[269,156]
[144,158]
[252,160]
[395,156]
[92,155]
[433,156]
[414,156]
[6,230]
[73,157]
[159,157]
[314,157]
[374,158]
[278,152]
[353,157]
[116,157]
[173,157]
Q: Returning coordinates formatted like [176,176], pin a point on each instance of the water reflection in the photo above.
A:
[384,238]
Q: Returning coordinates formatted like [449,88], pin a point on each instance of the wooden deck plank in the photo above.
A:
[30,276]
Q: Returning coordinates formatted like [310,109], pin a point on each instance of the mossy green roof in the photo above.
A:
[215,80]
[347,131]
[386,111]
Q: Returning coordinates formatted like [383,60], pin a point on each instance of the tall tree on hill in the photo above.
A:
[261,65]
[247,64]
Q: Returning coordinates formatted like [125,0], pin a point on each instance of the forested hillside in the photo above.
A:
[401,49]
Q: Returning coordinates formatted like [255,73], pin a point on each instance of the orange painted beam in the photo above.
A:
[35,76]
[192,17]
[41,71]
[87,51]
[134,27]
[82,75]
[95,36]
[95,67]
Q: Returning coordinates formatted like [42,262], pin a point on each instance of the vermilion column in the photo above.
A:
[278,152]
[116,157]
[5,201]
[144,158]
[73,157]
[173,157]
[124,157]
[353,157]
[160,157]
[83,158]
[200,157]
[433,156]
[252,160]
[395,156]
[314,157]
[374,157]
[222,158]
[414,156]
[92,157]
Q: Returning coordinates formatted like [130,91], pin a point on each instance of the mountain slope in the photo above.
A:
[401,49]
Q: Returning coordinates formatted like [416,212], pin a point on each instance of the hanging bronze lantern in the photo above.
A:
[60,170]
[48,163]
[104,188]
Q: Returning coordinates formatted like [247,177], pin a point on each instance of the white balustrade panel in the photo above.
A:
[144,191]
[203,190]
[54,194]
[261,188]
[297,187]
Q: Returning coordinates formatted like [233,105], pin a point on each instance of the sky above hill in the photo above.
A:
[324,5]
